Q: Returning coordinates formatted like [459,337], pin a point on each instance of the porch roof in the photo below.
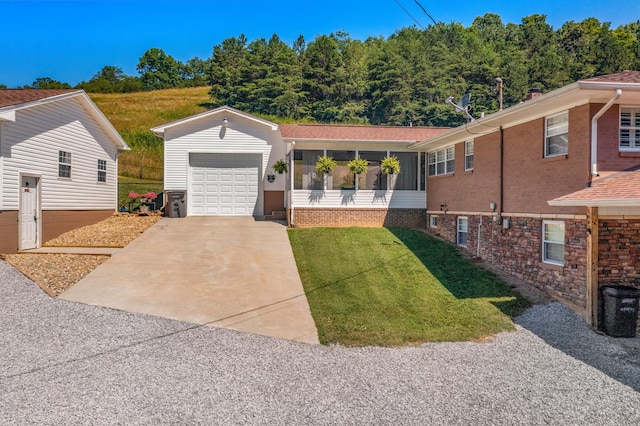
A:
[617,189]
[357,133]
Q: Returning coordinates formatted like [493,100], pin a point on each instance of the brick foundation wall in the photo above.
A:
[407,218]
[619,252]
[518,252]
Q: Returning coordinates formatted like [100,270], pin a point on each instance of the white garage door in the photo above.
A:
[224,185]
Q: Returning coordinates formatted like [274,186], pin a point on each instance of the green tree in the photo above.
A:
[48,83]
[159,70]
[111,79]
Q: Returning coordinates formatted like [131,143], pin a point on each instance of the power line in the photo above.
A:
[426,13]
[410,15]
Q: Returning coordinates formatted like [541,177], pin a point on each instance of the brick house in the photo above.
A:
[547,190]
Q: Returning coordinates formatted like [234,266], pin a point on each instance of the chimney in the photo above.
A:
[534,92]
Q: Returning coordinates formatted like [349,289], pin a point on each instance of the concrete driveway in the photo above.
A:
[235,273]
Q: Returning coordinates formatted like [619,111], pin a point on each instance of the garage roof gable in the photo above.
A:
[223,110]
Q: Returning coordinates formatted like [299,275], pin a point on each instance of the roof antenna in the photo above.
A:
[462,106]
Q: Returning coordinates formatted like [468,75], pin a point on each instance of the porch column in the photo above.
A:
[592,267]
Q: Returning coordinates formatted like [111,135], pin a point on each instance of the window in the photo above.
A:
[374,178]
[102,170]
[556,140]
[433,221]
[304,170]
[64,164]
[407,179]
[468,155]
[463,231]
[441,162]
[341,176]
[629,129]
[553,242]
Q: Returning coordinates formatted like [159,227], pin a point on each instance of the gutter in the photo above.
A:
[594,132]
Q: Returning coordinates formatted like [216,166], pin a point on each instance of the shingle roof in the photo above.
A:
[621,77]
[12,97]
[328,132]
[617,188]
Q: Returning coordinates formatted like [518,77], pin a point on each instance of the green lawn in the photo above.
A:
[394,287]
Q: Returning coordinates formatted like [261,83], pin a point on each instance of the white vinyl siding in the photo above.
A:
[31,146]
[462,233]
[553,242]
[556,141]
[468,155]
[629,129]
[441,162]
[360,199]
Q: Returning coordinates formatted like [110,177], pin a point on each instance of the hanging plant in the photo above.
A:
[281,166]
[325,165]
[358,165]
[390,165]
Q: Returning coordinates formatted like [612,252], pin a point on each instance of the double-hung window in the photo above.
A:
[629,129]
[441,162]
[64,164]
[556,135]
[102,170]
[468,155]
[463,231]
[553,242]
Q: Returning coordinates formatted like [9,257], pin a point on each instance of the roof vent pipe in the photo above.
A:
[594,132]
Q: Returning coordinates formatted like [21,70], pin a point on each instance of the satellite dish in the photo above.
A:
[464,102]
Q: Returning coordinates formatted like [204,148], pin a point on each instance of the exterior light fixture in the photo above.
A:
[225,122]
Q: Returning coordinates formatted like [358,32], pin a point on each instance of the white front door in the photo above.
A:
[28,213]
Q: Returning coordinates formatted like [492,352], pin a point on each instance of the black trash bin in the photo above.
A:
[620,310]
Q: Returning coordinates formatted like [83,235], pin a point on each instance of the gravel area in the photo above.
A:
[77,364]
[55,273]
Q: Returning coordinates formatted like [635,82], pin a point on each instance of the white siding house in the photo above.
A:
[58,155]
[223,159]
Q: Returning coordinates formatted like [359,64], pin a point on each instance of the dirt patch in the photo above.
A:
[55,273]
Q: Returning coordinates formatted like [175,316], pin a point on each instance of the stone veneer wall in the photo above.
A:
[314,217]
[619,252]
[518,252]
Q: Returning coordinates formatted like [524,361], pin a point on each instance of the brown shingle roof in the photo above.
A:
[12,97]
[621,77]
[328,132]
[615,188]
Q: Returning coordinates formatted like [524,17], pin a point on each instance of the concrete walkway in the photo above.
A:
[235,273]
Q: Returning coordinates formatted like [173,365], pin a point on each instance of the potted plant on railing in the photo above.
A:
[390,165]
[281,167]
[325,165]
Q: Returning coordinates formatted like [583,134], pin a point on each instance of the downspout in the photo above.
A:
[501,175]
[594,132]
[293,144]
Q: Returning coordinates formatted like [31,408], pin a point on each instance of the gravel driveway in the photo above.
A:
[66,363]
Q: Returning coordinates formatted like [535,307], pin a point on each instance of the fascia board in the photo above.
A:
[628,202]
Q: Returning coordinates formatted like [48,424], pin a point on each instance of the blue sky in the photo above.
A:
[72,40]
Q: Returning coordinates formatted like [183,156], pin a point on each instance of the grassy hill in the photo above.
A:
[133,114]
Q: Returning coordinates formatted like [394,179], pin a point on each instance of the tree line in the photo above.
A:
[402,79]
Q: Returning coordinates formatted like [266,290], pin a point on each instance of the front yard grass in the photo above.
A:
[396,286]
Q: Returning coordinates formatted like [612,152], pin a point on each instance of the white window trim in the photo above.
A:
[630,128]
[458,230]
[546,134]
[544,242]
[60,163]
[450,149]
[433,221]
[104,170]
[467,155]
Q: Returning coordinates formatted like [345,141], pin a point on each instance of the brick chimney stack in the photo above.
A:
[534,92]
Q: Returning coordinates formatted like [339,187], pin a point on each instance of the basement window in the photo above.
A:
[463,231]
[629,129]
[553,242]
[64,164]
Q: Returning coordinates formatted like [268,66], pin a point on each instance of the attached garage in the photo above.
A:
[223,160]
[225,184]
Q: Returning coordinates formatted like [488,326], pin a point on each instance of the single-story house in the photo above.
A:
[58,165]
